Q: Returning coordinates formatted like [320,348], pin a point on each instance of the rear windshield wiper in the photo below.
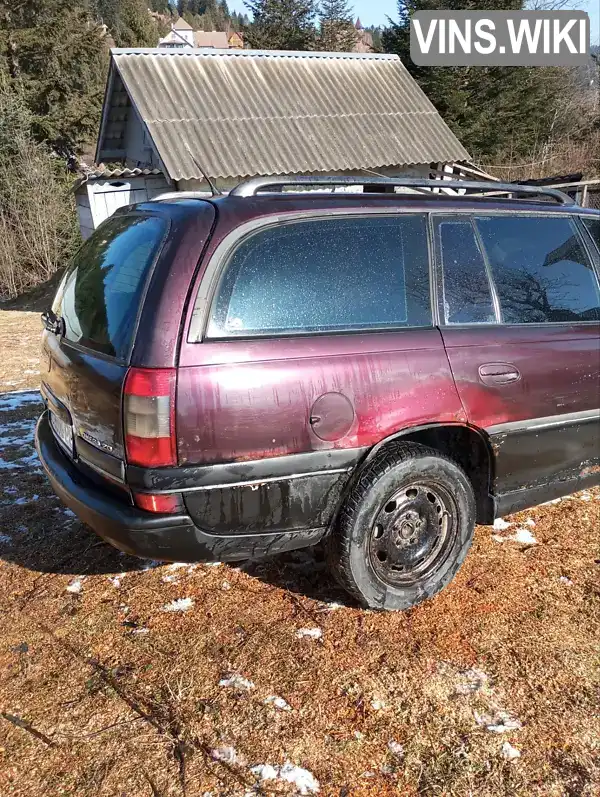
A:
[53,323]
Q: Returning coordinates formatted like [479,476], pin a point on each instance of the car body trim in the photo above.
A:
[190,478]
[530,424]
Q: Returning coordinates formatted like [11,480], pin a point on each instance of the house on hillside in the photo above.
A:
[364,38]
[182,35]
[180,114]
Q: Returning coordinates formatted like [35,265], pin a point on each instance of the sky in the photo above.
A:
[376,12]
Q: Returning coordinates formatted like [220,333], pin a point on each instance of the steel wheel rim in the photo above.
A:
[412,534]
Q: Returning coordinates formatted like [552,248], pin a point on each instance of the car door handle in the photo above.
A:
[498,373]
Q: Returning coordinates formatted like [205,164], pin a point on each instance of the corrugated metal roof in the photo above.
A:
[245,112]
[102,173]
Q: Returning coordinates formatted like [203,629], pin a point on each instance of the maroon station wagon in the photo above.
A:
[237,376]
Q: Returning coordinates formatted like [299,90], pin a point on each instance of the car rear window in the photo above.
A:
[326,275]
[541,271]
[100,294]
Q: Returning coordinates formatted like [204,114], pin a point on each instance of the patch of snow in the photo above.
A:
[69,512]
[501,722]
[312,633]
[172,579]
[304,781]
[236,681]
[213,564]
[530,521]
[75,586]
[265,772]
[227,754]
[509,752]
[330,606]
[566,581]
[177,565]
[553,501]
[377,705]
[21,462]
[524,536]
[19,398]
[500,524]
[278,702]
[226,585]
[179,605]
[140,630]
[116,580]
[151,564]
[473,680]
[5,539]
[10,490]
[18,440]
[24,500]
[395,748]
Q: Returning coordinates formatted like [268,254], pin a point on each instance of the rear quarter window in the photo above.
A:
[100,294]
[326,275]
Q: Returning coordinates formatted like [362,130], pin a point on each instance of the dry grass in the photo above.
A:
[102,692]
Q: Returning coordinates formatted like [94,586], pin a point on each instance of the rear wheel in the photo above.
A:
[404,529]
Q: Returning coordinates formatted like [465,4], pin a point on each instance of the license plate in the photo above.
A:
[64,432]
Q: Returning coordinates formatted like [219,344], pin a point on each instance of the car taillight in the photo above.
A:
[149,408]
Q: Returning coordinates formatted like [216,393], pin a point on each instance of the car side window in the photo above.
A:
[316,275]
[540,268]
[466,289]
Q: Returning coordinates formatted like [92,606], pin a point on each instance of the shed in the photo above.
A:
[233,114]
[101,191]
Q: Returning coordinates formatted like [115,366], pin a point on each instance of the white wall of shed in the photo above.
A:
[98,199]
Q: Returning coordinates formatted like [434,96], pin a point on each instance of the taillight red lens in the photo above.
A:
[149,407]
[159,503]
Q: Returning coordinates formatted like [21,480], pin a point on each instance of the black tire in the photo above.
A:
[374,550]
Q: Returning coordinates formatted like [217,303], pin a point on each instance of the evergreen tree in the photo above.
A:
[161,7]
[56,55]
[128,21]
[492,110]
[337,31]
[281,24]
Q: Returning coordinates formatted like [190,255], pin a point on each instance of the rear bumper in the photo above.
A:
[165,537]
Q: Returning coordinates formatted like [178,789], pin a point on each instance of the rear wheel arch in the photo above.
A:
[468,446]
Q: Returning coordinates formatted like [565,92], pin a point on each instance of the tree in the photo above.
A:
[56,55]
[38,224]
[161,7]
[128,21]
[337,32]
[282,24]
[496,112]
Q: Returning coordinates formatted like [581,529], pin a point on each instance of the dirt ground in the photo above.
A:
[125,677]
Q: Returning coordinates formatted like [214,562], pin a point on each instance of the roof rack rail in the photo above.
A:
[181,195]
[252,187]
